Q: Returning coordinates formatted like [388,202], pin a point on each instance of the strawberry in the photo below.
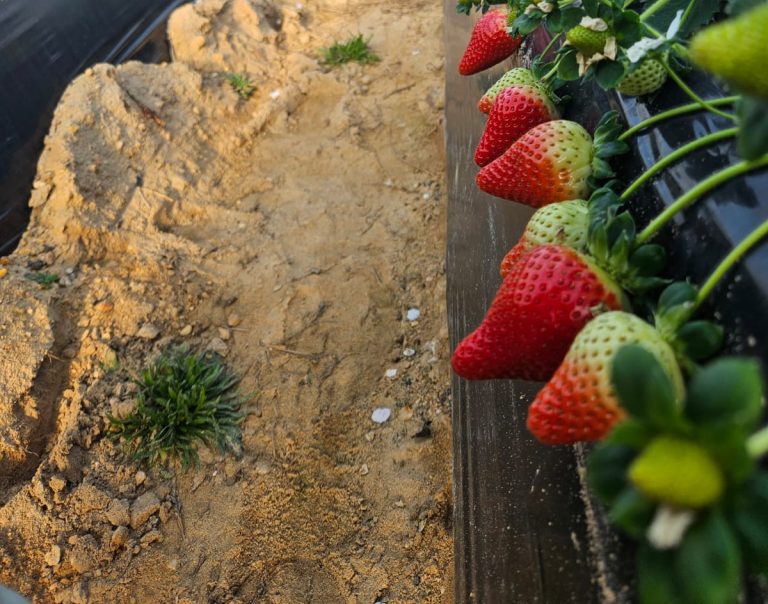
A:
[735,50]
[489,43]
[545,300]
[563,223]
[553,162]
[579,403]
[647,78]
[549,163]
[678,472]
[515,112]
[587,41]
[514,77]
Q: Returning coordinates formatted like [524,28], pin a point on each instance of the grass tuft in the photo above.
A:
[241,84]
[183,399]
[355,50]
[46,280]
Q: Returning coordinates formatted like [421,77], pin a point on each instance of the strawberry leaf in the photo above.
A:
[644,389]
[631,432]
[648,260]
[699,340]
[567,66]
[698,14]
[609,73]
[656,580]
[749,515]
[729,390]
[632,512]
[708,563]
[736,7]
[607,470]
[753,127]
[727,446]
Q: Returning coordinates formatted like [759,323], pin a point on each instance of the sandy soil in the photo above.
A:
[291,232]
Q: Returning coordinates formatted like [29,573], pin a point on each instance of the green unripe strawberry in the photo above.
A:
[735,51]
[647,78]
[678,472]
[587,41]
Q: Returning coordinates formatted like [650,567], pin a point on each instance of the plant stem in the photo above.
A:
[548,47]
[684,87]
[700,189]
[676,155]
[653,8]
[551,72]
[727,263]
[757,444]
[673,113]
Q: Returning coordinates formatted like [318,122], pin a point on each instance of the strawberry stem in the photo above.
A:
[548,47]
[676,155]
[727,263]
[684,87]
[683,109]
[757,444]
[694,193]
[653,8]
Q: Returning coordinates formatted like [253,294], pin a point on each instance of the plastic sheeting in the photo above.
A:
[43,45]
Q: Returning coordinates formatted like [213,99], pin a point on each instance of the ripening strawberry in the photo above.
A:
[551,162]
[735,50]
[564,223]
[489,43]
[646,79]
[545,300]
[517,109]
[516,76]
[579,402]
[587,41]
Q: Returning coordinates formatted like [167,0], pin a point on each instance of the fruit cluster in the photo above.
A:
[585,305]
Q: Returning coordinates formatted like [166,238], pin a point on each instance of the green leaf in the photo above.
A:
[753,127]
[679,292]
[568,68]
[601,169]
[727,444]
[525,24]
[708,562]
[643,387]
[656,580]
[632,512]
[736,7]
[607,470]
[627,28]
[728,390]
[700,340]
[631,432]
[648,260]
[749,515]
[609,73]
[701,13]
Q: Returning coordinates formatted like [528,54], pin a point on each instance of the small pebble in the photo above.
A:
[234,320]
[274,94]
[413,314]
[381,414]
[391,373]
[148,332]
[140,477]
[364,469]
[409,352]
[186,330]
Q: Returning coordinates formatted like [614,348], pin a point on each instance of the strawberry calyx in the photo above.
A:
[606,144]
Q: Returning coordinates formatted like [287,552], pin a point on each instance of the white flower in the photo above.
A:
[609,52]
[643,46]
[594,23]
[669,526]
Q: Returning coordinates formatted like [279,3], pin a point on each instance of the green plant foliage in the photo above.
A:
[183,399]
[241,84]
[46,280]
[355,50]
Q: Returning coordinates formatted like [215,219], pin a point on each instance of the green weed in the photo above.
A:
[241,84]
[46,280]
[356,50]
[183,399]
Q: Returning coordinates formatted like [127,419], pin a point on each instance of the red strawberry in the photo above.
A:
[489,44]
[515,112]
[545,300]
[516,76]
[564,223]
[549,163]
[579,403]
